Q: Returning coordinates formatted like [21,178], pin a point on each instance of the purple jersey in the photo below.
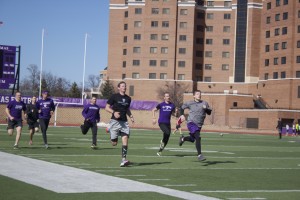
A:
[91,112]
[15,109]
[165,112]
[46,106]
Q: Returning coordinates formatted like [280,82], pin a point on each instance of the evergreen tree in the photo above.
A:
[74,91]
[107,90]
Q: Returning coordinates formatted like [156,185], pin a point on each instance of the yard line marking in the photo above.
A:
[182,185]
[157,179]
[256,198]
[99,170]
[121,175]
[74,180]
[191,168]
[80,164]
[243,191]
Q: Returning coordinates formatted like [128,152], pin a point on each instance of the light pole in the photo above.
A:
[42,51]
[84,58]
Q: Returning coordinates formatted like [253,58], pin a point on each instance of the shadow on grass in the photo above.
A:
[148,163]
[208,163]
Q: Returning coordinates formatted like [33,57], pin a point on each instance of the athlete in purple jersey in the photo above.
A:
[91,116]
[197,113]
[14,113]
[46,109]
[166,108]
[32,118]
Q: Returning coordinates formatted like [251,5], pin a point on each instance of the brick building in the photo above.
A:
[244,55]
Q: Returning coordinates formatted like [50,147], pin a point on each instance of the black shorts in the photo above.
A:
[33,124]
[14,123]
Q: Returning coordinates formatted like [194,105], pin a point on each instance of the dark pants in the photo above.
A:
[44,126]
[279,133]
[93,126]
[166,129]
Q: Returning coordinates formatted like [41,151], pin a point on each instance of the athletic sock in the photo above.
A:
[124,151]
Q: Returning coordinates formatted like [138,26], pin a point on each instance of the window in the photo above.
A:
[277,30]
[152,63]
[153,49]
[277,3]
[136,62]
[227,16]
[225,67]
[226,41]
[153,37]
[225,54]
[166,11]
[183,12]
[267,62]
[180,77]
[210,3]
[138,10]
[276,46]
[208,66]
[199,54]
[269,6]
[137,37]
[267,48]
[276,61]
[181,63]
[126,14]
[209,15]
[165,37]
[137,24]
[182,37]
[227,3]
[284,30]
[298,59]
[282,75]
[298,44]
[200,15]
[200,28]
[209,29]
[164,63]
[154,23]
[199,40]
[267,34]
[298,91]
[182,50]
[183,24]
[275,75]
[285,2]
[277,17]
[285,16]
[123,76]
[164,50]
[298,29]
[283,60]
[298,13]
[207,79]
[136,49]
[124,64]
[226,29]
[283,45]
[165,24]
[198,66]
[124,51]
[209,41]
[152,75]
[125,39]
[297,74]
[208,54]
[135,75]
[155,11]
[163,76]
[131,90]
[266,76]
[125,26]
[268,20]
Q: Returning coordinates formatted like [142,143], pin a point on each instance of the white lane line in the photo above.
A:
[182,185]
[255,198]
[74,180]
[162,179]
[244,191]
[121,175]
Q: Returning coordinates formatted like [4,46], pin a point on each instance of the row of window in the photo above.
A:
[285,16]
[275,75]
[278,3]
[284,31]
[282,60]
[276,46]
[136,75]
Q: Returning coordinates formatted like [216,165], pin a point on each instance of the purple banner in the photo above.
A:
[77,102]
[7,66]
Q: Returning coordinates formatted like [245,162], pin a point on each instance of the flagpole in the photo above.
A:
[42,51]
[84,58]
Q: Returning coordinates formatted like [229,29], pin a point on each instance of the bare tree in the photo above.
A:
[93,81]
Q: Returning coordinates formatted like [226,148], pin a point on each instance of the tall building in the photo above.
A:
[240,47]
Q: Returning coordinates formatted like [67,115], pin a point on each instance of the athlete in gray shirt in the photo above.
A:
[197,113]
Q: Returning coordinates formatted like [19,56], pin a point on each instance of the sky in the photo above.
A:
[65,24]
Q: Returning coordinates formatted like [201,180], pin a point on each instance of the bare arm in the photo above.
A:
[130,115]
[153,116]
[8,114]
[110,110]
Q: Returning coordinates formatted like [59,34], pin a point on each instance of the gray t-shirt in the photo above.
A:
[198,111]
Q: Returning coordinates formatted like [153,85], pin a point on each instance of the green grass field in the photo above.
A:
[238,166]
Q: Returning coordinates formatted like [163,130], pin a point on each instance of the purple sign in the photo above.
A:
[7,66]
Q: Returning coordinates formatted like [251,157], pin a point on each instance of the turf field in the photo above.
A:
[238,166]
